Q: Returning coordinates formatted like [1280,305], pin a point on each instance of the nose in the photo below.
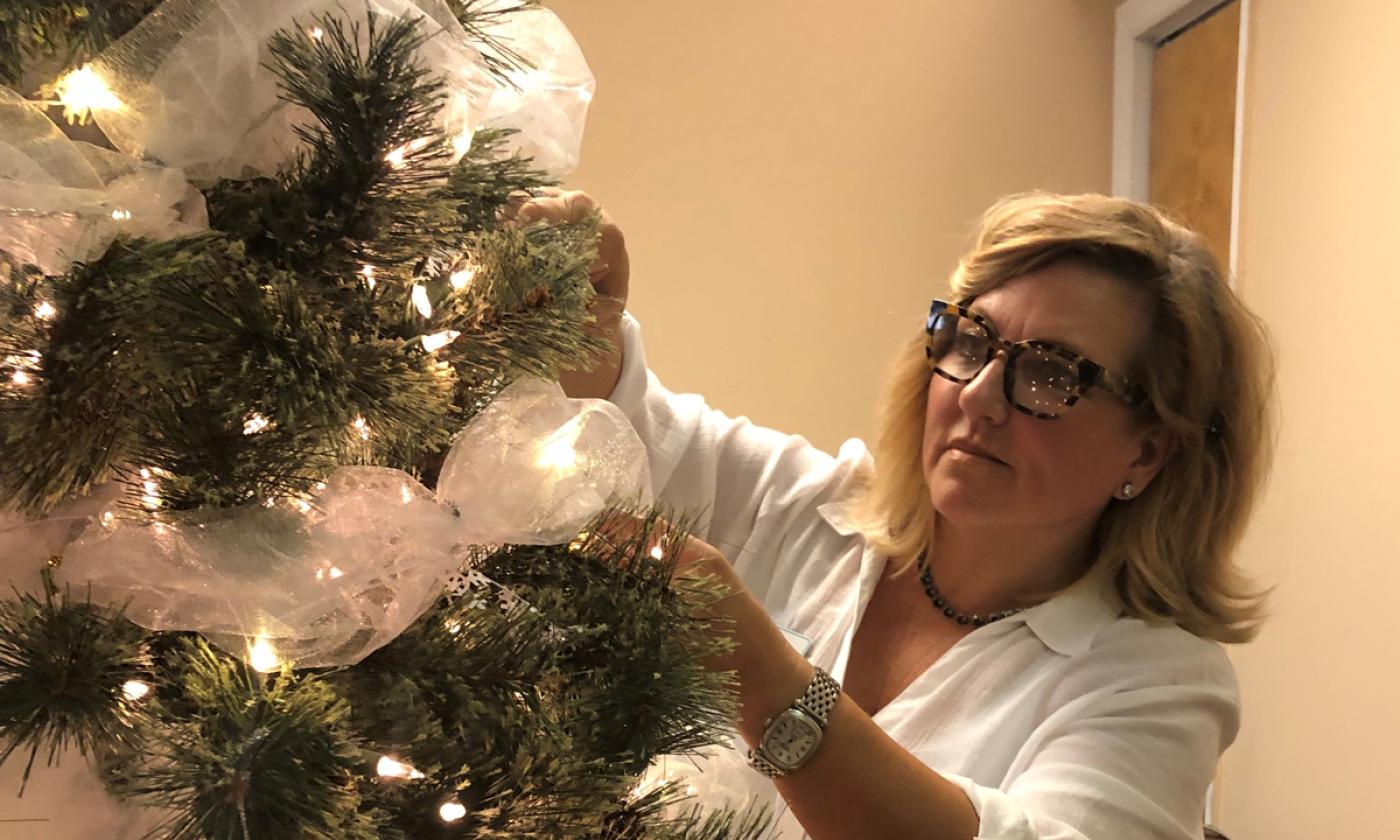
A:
[985,395]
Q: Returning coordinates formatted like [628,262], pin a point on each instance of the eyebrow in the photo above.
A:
[1068,345]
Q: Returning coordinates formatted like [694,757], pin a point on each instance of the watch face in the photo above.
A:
[790,738]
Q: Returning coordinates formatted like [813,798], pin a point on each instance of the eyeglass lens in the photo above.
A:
[1041,380]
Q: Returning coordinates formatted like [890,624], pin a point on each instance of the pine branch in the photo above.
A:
[254,756]
[484,181]
[478,18]
[62,667]
[635,643]
[375,157]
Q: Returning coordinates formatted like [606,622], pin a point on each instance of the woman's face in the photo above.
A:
[1034,473]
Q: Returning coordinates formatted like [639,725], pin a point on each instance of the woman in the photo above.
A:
[1022,597]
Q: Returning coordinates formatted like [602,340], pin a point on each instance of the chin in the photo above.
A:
[965,501]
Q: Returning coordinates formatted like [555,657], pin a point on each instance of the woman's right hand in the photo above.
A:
[609,274]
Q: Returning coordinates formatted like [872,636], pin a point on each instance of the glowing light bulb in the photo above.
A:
[20,378]
[395,158]
[452,811]
[657,553]
[390,769]
[420,300]
[255,423]
[45,311]
[367,272]
[335,572]
[107,518]
[303,505]
[134,690]
[453,626]
[121,215]
[557,451]
[150,491]
[462,278]
[315,33]
[83,91]
[462,143]
[361,428]
[439,340]
[262,656]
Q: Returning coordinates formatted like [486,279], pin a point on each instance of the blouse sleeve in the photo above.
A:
[1133,758]
[746,484]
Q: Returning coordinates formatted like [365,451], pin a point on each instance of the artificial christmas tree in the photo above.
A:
[307,543]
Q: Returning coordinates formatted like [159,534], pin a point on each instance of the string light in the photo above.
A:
[303,505]
[388,768]
[134,690]
[557,451]
[657,553]
[452,811]
[255,423]
[462,278]
[22,365]
[262,656]
[367,272]
[150,497]
[120,215]
[83,91]
[420,300]
[439,340]
[462,143]
[361,428]
[395,158]
[315,33]
[45,311]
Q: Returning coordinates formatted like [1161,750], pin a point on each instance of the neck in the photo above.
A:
[988,569]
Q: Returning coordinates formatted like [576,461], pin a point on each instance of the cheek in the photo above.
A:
[1074,464]
[940,412]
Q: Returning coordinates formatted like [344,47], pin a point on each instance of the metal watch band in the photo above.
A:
[820,697]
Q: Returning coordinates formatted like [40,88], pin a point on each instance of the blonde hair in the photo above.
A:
[1207,364]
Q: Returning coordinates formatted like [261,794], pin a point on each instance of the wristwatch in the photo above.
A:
[791,738]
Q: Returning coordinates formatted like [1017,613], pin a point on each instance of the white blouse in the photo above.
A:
[1067,721]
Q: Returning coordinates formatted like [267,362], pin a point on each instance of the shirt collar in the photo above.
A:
[1067,623]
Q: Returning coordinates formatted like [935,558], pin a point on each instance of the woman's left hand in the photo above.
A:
[771,673]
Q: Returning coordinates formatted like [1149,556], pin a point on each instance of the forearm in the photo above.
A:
[860,783]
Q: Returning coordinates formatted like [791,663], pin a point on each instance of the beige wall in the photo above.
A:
[796,178]
[1319,751]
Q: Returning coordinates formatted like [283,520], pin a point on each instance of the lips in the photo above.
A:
[967,446]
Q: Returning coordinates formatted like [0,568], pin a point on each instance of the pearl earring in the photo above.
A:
[1127,490]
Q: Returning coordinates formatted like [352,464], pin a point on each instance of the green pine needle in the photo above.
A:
[62,667]
[251,756]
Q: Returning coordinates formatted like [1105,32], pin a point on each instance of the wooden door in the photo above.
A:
[1191,163]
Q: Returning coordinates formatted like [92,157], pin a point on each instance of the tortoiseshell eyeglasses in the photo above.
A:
[1041,379]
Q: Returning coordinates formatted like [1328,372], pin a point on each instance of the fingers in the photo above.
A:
[552,205]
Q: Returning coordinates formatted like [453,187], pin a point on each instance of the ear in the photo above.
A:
[1155,446]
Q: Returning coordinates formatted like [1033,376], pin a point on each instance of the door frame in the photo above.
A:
[1138,26]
